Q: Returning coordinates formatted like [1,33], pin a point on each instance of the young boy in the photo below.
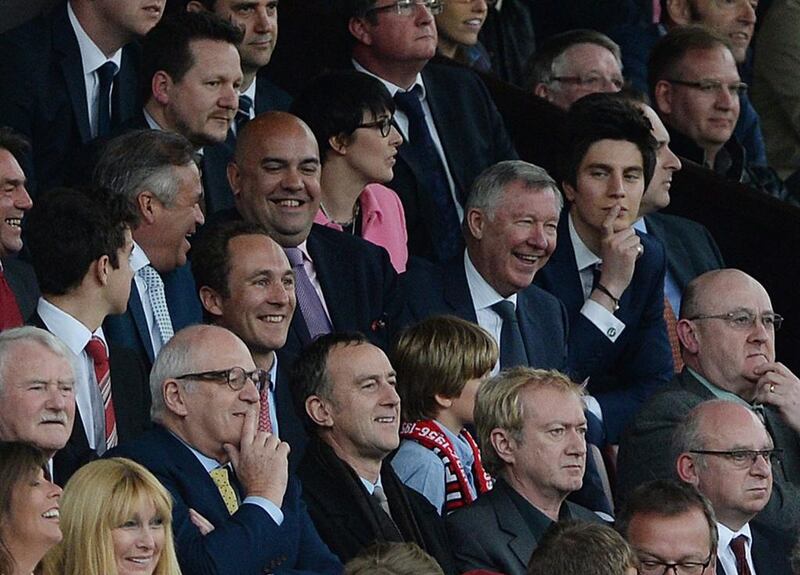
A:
[440,364]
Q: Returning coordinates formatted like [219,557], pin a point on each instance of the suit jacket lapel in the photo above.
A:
[562,270]
[445,117]
[456,290]
[531,338]
[139,320]
[64,40]
[678,258]
[521,542]
[335,279]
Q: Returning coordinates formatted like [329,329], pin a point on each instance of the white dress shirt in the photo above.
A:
[725,556]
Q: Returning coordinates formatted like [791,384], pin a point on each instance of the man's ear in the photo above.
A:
[174,397]
[679,11]
[662,93]
[160,87]
[569,191]
[233,178]
[504,445]
[686,466]
[361,30]
[542,90]
[476,220]
[146,203]
[211,300]
[442,401]
[101,268]
[319,412]
[195,6]
[687,335]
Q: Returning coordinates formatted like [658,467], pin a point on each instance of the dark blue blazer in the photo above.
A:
[46,100]
[626,372]
[473,138]
[433,289]
[245,543]
[22,281]
[290,424]
[361,289]
[130,328]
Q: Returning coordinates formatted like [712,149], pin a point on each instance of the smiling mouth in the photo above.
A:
[52,513]
[386,419]
[14,222]
[289,203]
[526,258]
[272,318]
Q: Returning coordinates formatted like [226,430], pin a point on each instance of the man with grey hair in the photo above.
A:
[236,509]
[157,172]
[510,221]
[37,398]
[532,432]
[725,452]
[573,64]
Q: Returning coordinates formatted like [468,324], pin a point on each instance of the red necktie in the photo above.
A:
[10,315]
[97,351]
[737,546]
[672,334]
[264,420]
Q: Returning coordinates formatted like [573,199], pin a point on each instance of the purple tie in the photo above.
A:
[307,298]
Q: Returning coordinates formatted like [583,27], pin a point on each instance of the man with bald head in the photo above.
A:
[726,453]
[727,334]
[343,282]
[236,510]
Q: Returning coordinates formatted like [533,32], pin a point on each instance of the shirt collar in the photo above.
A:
[640,225]
[208,463]
[584,257]
[483,295]
[69,330]
[394,88]
[369,486]
[92,56]
[718,392]
[726,535]
[139,259]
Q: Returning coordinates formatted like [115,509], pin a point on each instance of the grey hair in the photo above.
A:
[542,65]
[488,188]
[174,359]
[143,160]
[10,338]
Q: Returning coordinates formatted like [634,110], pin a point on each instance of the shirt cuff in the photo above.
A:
[603,319]
[267,505]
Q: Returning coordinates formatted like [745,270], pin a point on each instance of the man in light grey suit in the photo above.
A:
[531,426]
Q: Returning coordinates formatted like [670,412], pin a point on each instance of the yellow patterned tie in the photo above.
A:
[223,483]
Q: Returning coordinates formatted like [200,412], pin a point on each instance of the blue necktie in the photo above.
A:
[512,348]
[243,113]
[105,77]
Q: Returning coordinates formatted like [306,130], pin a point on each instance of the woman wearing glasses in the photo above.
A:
[350,114]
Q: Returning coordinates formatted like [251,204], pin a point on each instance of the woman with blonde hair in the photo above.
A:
[28,509]
[117,520]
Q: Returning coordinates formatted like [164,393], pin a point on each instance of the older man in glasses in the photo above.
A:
[727,454]
[727,334]
[696,91]
[236,509]
[450,126]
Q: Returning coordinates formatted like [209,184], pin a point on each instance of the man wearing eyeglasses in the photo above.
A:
[727,335]
[696,91]
[575,63]
[727,454]
[236,509]
[450,126]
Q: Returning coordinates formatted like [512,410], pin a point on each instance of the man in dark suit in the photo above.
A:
[247,286]
[350,283]
[451,127]
[532,433]
[345,387]
[671,527]
[236,509]
[18,289]
[37,390]
[80,245]
[75,76]
[499,265]
[727,333]
[156,173]
[610,279]
[726,453]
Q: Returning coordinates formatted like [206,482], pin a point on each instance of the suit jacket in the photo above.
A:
[361,289]
[645,449]
[492,534]
[625,372]
[290,425]
[245,543]
[433,289]
[347,517]
[47,100]
[130,328]
[22,281]
[691,251]
[131,395]
[771,550]
[473,138]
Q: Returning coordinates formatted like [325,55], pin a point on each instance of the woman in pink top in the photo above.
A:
[350,114]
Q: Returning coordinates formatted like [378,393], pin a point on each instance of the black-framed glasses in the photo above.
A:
[652,566]
[488,2]
[592,82]
[384,124]
[744,458]
[235,377]
[744,319]
[713,86]
[409,7]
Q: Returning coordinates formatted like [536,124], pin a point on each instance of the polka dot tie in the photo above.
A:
[158,302]
[222,480]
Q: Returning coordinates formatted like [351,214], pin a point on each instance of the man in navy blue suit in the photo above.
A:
[75,75]
[247,286]
[610,279]
[157,173]
[236,509]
